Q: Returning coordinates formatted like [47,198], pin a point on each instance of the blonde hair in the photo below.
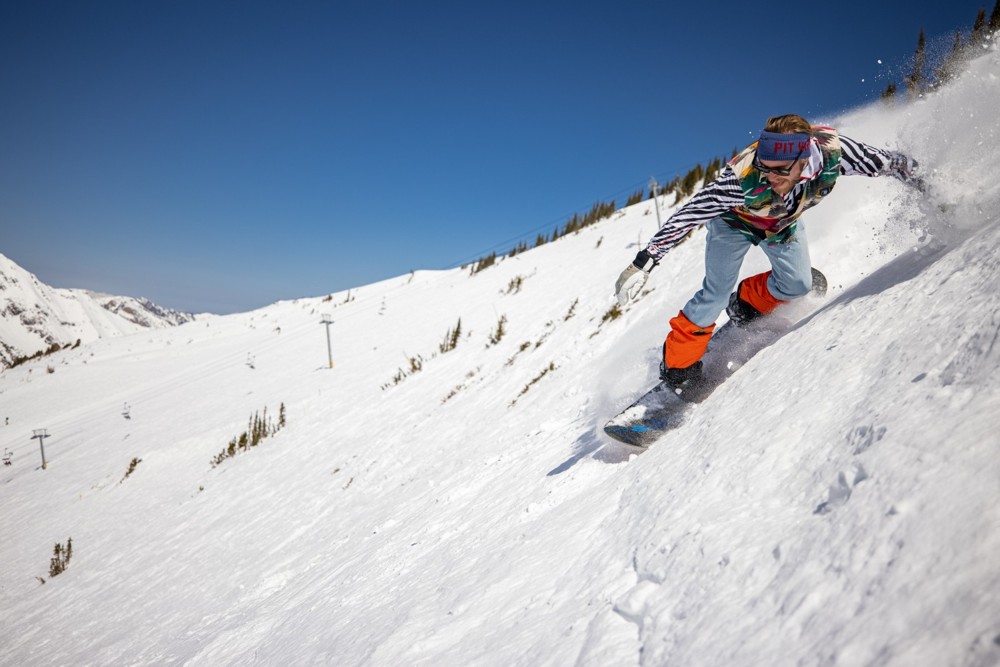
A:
[788,124]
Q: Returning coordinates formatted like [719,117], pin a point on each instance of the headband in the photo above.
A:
[777,146]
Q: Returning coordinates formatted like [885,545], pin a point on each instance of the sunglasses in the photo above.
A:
[778,171]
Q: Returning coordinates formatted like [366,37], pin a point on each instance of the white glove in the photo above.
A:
[907,170]
[634,277]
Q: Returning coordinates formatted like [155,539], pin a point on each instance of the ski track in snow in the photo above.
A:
[835,502]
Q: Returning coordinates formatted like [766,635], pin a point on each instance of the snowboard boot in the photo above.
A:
[740,312]
[680,364]
[751,300]
[681,379]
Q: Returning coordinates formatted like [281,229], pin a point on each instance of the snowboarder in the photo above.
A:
[757,200]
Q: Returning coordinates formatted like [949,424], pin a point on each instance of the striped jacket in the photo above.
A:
[725,195]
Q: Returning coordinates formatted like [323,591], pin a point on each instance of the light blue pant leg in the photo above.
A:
[724,252]
[791,274]
[791,270]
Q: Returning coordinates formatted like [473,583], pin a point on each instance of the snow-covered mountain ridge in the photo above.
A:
[836,502]
[34,316]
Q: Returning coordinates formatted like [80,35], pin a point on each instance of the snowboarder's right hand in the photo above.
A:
[632,279]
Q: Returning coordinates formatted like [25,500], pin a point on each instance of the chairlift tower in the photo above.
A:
[654,187]
[41,434]
[329,350]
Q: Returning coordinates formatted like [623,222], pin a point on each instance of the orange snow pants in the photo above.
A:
[686,342]
[754,291]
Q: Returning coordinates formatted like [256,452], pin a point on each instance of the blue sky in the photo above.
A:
[220,156]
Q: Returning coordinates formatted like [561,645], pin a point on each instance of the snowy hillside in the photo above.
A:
[34,316]
[836,502]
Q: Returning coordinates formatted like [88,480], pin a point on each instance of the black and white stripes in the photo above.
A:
[721,195]
[725,194]
[861,159]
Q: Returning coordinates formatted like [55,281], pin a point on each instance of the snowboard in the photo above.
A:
[664,408]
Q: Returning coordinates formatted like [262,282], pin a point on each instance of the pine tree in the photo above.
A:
[451,338]
[978,37]
[691,180]
[950,65]
[890,92]
[713,169]
[416,364]
[56,566]
[501,330]
[994,25]
[60,558]
[484,263]
[916,82]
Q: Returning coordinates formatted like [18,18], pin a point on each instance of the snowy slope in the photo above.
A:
[34,316]
[837,502]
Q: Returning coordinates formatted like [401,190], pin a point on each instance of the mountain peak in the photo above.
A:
[35,316]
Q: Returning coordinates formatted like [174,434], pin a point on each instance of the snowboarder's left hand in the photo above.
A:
[906,169]
[632,279]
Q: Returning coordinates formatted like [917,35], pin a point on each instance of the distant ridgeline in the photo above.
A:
[37,320]
[928,71]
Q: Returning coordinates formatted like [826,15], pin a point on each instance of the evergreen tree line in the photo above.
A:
[681,186]
[51,349]
[686,185]
[927,75]
[258,428]
[598,211]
